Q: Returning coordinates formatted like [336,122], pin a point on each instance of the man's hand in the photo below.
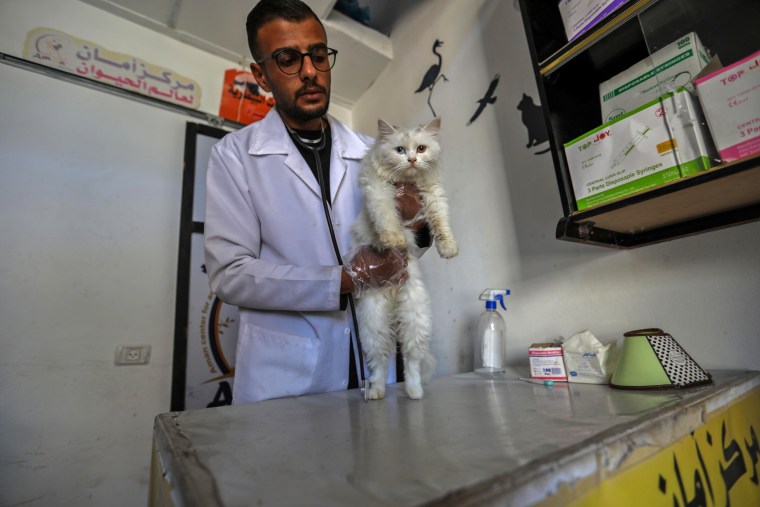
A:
[409,206]
[370,268]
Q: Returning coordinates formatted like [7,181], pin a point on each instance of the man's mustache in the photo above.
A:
[311,88]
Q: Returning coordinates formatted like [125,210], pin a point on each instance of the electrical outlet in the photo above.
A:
[132,354]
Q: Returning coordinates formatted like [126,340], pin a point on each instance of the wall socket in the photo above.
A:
[132,354]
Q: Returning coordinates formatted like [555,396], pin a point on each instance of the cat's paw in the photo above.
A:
[414,391]
[376,391]
[447,248]
[393,239]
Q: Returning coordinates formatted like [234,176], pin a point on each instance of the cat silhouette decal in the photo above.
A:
[532,118]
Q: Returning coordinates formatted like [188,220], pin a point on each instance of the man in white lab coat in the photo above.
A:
[268,246]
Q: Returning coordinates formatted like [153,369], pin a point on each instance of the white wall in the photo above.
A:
[89,199]
[90,188]
[505,205]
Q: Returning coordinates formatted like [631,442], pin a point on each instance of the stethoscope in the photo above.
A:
[315,146]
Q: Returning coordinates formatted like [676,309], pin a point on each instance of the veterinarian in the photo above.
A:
[268,245]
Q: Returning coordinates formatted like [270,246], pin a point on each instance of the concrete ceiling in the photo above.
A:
[218,27]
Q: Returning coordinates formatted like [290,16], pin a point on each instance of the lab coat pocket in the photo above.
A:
[271,364]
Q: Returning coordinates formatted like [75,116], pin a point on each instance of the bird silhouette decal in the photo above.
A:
[488,98]
[433,75]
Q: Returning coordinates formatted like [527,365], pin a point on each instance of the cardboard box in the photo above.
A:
[730,98]
[659,142]
[668,69]
[579,16]
[546,362]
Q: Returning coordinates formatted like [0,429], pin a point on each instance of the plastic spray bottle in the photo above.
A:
[491,337]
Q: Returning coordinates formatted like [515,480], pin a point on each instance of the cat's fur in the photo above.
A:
[400,313]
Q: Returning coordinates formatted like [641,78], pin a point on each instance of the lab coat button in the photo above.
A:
[347,331]
[345,383]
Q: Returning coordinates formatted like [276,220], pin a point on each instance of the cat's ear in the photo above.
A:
[434,126]
[384,129]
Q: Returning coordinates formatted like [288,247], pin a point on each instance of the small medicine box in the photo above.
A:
[546,362]
[659,142]
[666,70]
[578,16]
[730,98]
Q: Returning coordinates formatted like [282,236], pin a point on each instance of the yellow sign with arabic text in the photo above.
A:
[716,465]
[62,51]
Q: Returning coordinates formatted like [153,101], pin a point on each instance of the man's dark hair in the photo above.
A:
[268,10]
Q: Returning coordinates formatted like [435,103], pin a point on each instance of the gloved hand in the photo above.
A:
[409,206]
[369,269]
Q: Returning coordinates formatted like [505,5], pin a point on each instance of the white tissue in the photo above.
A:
[587,360]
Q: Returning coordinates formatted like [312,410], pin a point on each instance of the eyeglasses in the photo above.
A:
[290,61]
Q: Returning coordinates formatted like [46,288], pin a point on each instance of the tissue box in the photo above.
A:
[546,362]
[668,69]
[659,142]
[579,16]
[730,98]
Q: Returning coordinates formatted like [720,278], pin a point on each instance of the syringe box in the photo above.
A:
[658,142]
[546,362]
[730,98]
[664,71]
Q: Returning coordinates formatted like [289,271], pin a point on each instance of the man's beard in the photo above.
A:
[298,113]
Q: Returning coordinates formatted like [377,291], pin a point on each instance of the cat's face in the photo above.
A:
[408,154]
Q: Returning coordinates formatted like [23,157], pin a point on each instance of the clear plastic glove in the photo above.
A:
[371,269]
[409,205]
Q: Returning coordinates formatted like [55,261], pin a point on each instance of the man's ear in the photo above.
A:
[261,79]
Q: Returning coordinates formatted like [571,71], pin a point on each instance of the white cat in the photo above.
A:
[400,313]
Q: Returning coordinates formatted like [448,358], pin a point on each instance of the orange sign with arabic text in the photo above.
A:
[243,100]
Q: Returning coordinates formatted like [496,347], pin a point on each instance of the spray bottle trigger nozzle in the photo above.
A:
[493,295]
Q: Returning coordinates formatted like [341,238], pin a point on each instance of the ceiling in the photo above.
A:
[218,27]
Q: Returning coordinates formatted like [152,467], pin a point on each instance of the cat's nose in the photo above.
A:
[412,160]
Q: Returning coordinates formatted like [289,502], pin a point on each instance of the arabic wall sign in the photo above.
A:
[62,51]
[243,100]
[714,466]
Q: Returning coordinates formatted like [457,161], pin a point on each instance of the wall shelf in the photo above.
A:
[568,76]
[722,196]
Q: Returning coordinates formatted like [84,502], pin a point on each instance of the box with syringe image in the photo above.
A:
[666,70]
[659,142]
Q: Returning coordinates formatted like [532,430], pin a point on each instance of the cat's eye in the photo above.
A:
[421,148]
[400,150]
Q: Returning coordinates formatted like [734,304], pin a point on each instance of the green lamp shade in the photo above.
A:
[652,359]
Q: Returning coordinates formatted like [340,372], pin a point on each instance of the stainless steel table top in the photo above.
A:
[470,441]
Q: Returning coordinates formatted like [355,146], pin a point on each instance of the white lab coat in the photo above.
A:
[269,252]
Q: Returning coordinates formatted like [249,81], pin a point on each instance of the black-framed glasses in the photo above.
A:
[290,61]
